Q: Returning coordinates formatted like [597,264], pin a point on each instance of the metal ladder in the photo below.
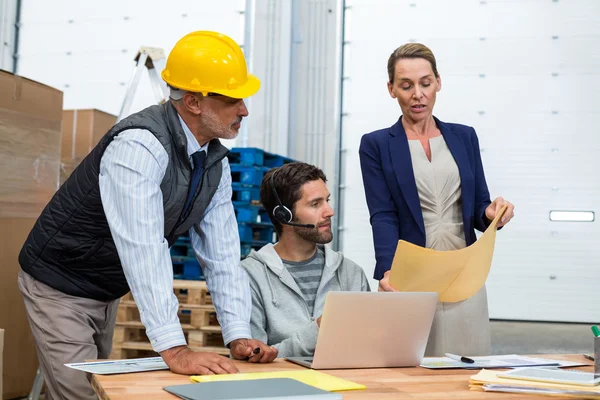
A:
[153,59]
[36,389]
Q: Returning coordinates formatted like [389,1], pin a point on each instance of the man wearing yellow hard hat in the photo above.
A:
[154,176]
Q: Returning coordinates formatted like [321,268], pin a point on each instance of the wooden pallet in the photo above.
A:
[196,313]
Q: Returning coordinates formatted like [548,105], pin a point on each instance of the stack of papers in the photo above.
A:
[490,382]
[311,377]
[503,361]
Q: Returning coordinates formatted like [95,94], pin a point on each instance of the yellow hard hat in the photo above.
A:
[209,62]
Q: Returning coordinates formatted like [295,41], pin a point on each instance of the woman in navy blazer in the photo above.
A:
[432,202]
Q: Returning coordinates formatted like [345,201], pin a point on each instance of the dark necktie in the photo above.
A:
[199,158]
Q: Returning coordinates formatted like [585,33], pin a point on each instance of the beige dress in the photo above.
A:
[462,327]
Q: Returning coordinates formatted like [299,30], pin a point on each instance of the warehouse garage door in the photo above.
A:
[525,75]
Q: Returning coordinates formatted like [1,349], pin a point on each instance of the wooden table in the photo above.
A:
[383,383]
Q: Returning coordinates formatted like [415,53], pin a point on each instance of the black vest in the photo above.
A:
[70,247]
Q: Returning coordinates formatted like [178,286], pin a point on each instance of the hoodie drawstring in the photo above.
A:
[337,275]
[273,297]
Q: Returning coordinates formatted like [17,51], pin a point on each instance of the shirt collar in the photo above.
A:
[192,143]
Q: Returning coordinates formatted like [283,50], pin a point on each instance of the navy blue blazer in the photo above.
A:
[391,189]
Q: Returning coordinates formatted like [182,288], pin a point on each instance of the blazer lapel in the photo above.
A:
[461,158]
[402,163]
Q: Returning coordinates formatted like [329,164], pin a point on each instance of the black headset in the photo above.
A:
[281,213]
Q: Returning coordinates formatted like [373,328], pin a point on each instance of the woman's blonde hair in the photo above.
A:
[411,50]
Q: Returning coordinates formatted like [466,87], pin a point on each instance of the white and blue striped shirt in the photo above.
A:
[131,171]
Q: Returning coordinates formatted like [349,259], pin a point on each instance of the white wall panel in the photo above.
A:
[86,49]
[8,17]
[526,75]
[296,52]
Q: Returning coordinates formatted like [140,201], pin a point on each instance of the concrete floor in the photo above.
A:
[517,337]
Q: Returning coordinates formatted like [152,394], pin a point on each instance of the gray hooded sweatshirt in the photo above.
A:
[280,316]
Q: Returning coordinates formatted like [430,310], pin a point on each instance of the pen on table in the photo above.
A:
[254,352]
[591,358]
[460,358]
[595,331]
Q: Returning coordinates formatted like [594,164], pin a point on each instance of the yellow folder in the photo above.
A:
[455,275]
[309,376]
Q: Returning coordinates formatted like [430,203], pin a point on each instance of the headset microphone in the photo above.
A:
[281,213]
[311,226]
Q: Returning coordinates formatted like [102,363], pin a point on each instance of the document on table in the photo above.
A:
[310,377]
[579,393]
[489,381]
[121,366]
[455,275]
[503,361]
[273,389]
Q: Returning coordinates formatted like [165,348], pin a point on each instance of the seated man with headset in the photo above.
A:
[289,280]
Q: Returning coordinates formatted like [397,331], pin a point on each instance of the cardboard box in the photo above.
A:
[82,130]
[30,129]
[20,356]
[30,125]
[1,357]
[66,169]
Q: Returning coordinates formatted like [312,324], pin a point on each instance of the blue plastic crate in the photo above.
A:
[263,233]
[245,194]
[274,160]
[186,268]
[251,214]
[252,156]
[246,248]
[247,175]
[248,156]
[182,247]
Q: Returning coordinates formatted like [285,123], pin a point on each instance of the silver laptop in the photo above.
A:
[372,330]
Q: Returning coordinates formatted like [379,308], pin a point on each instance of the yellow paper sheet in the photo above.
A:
[488,377]
[309,376]
[455,275]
